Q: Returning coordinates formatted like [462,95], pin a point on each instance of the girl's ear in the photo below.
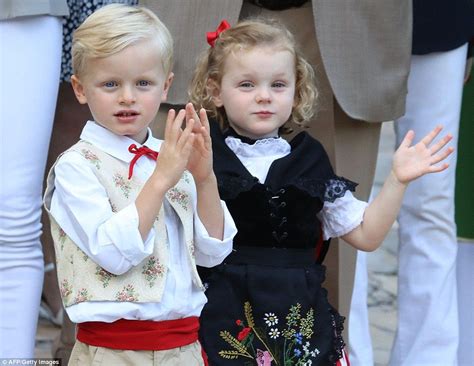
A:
[78,88]
[214,91]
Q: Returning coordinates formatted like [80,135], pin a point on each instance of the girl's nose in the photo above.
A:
[263,96]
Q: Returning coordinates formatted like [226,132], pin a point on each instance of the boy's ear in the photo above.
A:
[215,92]
[78,89]
[166,87]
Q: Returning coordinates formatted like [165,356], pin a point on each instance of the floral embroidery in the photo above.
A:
[104,276]
[274,333]
[178,196]
[240,348]
[123,184]
[244,333]
[152,269]
[270,319]
[84,255]
[82,295]
[65,288]
[62,237]
[298,329]
[93,158]
[263,358]
[127,294]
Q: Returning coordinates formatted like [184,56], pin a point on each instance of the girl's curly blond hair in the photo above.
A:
[246,35]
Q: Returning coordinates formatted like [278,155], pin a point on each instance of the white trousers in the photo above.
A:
[465,277]
[360,342]
[30,57]
[428,331]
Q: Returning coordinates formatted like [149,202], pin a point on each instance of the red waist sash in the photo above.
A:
[140,334]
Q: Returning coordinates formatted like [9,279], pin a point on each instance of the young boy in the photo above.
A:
[129,231]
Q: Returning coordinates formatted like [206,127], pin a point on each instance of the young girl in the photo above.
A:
[266,304]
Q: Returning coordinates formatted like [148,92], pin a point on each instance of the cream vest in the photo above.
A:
[80,279]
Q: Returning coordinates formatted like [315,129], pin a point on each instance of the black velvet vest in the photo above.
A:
[280,213]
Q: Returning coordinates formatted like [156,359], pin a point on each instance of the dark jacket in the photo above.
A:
[441,25]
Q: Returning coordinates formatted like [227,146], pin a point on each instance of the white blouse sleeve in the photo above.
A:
[81,208]
[341,216]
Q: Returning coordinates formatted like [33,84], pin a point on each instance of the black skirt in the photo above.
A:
[268,304]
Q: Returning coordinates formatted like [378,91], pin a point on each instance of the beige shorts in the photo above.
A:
[84,355]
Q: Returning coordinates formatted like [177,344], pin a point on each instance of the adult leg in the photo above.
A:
[356,148]
[464,211]
[427,332]
[465,279]
[361,352]
[29,78]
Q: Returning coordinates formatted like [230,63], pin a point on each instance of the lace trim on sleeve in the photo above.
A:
[326,190]
[337,188]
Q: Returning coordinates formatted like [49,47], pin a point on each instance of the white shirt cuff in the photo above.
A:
[122,230]
[211,251]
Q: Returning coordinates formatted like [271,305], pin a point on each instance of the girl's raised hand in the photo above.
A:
[411,162]
[176,148]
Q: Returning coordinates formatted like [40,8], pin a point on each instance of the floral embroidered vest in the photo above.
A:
[80,279]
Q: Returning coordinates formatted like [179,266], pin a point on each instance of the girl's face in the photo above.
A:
[257,90]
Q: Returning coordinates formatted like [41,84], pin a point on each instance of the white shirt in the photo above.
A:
[337,218]
[81,207]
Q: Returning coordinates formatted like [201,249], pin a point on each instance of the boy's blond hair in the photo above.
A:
[246,35]
[114,27]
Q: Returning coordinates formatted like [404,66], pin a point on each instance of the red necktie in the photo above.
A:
[139,152]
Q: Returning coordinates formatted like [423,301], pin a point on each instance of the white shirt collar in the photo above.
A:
[113,144]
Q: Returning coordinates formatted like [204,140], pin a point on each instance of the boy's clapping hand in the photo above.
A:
[200,160]
[176,148]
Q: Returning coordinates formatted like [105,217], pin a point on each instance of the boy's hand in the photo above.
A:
[411,162]
[175,150]
[200,160]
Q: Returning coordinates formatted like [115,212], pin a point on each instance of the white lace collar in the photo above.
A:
[261,148]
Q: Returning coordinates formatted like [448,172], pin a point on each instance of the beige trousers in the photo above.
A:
[83,354]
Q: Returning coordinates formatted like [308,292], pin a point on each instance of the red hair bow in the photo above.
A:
[212,36]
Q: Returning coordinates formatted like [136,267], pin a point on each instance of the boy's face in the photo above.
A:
[257,90]
[124,90]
